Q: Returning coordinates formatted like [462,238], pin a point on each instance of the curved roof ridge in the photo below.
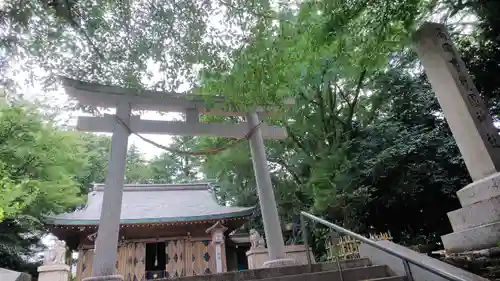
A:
[143,203]
[158,187]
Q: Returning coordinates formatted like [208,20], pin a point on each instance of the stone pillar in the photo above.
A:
[217,232]
[104,263]
[477,224]
[54,272]
[272,226]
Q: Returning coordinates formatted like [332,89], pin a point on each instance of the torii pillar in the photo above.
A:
[104,263]
[477,224]
[103,267]
[272,226]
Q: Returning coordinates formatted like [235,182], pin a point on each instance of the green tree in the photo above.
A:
[136,170]
[480,51]
[367,141]
[39,165]
[170,167]
[170,37]
[323,54]
[96,149]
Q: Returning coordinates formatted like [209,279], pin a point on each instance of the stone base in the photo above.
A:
[105,278]
[279,263]
[476,225]
[258,257]
[54,272]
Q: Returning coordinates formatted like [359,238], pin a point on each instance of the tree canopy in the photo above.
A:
[43,170]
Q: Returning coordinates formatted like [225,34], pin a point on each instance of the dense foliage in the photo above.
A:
[43,170]
[368,147]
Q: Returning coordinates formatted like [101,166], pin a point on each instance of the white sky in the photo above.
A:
[59,97]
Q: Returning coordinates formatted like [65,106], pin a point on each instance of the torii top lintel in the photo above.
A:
[109,96]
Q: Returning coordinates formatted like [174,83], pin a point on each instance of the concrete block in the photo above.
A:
[258,257]
[54,272]
[480,190]
[477,214]
[10,275]
[476,238]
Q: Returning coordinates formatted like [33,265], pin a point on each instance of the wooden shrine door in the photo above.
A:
[183,258]
[188,258]
[201,258]
[131,261]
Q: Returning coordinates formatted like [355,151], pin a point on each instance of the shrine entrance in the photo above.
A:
[123,123]
[165,259]
[180,258]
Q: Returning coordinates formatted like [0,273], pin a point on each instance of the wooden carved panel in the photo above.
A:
[84,266]
[175,259]
[131,261]
[201,259]
[139,262]
[189,258]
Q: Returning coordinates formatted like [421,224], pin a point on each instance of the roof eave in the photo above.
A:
[243,213]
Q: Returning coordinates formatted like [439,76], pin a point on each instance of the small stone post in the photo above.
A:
[217,232]
[477,224]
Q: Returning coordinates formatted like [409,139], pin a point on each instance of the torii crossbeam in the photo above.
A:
[125,100]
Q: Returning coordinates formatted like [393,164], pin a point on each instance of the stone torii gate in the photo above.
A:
[125,100]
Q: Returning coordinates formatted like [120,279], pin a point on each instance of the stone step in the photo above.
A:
[480,190]
[351,274]
[476,238]
[362,262]
[263,273]
[477,214]
[391,278]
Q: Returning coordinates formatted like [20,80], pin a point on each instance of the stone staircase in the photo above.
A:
[351,270]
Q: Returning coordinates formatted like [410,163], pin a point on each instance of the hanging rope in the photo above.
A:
[184,152]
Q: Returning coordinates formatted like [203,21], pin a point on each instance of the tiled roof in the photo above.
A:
[143,203]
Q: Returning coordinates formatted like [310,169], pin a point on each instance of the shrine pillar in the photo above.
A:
[269,209]
[477,224]
[217,233]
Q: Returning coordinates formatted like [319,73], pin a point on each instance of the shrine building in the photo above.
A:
[166,230]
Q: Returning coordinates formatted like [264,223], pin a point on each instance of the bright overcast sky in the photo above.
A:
[59,98]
